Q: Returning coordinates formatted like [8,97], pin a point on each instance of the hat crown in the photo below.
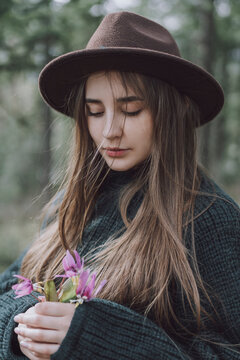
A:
[129,30]
[128,42]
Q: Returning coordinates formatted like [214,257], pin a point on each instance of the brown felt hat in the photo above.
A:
[130,42]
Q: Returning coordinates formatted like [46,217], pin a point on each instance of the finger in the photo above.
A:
[21,338]
[30,355]
[38,321]
[54,309]
[40,335]
[38,356]
[34,355]
[41,348]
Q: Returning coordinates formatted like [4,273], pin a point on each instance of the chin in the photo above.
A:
[120,168]
[116,166]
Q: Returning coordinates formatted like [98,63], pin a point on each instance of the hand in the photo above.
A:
[45,326]
[29,354]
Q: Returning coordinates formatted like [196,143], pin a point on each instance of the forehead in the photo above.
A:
[105,83]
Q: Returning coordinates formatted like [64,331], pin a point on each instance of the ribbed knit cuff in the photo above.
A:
[9,307]
[105,330]
[71,343]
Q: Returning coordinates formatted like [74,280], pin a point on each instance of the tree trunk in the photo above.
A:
[208,41]
[46,155]
[46,118]
[220,125]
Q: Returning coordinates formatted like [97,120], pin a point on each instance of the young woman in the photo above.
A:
[137,206]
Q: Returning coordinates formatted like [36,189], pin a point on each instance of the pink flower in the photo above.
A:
[85,291]
[72,267]
[23,288]
[78,287]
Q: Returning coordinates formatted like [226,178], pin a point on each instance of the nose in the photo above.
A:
[113,126]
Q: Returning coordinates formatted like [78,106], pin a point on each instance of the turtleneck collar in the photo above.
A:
[116,179]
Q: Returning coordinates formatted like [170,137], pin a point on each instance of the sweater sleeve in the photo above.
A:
[102,329]
[9,307]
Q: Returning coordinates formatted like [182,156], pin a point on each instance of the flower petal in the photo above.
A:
[21,286]
[78,260]
[71,273]
[70,260]
[100,287]
[60,276]
[82,282]
[89,288]
[65,264]
[20,295]
[14,287]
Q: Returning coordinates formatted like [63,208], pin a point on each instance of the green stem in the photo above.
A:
[36,298]
[60,286]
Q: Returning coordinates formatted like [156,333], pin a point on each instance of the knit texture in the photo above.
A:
[102,329]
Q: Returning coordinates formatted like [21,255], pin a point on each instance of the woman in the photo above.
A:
[137,206]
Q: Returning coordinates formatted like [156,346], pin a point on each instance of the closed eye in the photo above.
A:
[127,113]
[89,113]
[134,113]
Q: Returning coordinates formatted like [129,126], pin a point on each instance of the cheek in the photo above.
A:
[95,130]
[148,139]
[145,130]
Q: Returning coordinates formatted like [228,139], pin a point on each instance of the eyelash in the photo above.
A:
[98,114]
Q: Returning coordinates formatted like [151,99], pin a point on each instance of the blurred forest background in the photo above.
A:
[34,139]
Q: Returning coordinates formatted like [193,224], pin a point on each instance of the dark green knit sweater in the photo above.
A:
[102,329]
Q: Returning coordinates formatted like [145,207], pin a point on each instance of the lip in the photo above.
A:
[114,149]
[115,152]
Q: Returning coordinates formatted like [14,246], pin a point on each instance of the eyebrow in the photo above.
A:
[125,99]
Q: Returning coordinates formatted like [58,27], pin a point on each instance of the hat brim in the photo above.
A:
[58,77]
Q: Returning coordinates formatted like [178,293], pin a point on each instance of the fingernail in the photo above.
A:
[16,330]
[24,344]
[17,318]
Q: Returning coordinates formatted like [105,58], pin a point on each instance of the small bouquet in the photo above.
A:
[77,284]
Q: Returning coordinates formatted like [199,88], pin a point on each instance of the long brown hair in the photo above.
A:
[146,265]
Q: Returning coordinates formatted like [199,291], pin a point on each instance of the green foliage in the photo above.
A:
[69,290]
[34,32]
[50,291]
